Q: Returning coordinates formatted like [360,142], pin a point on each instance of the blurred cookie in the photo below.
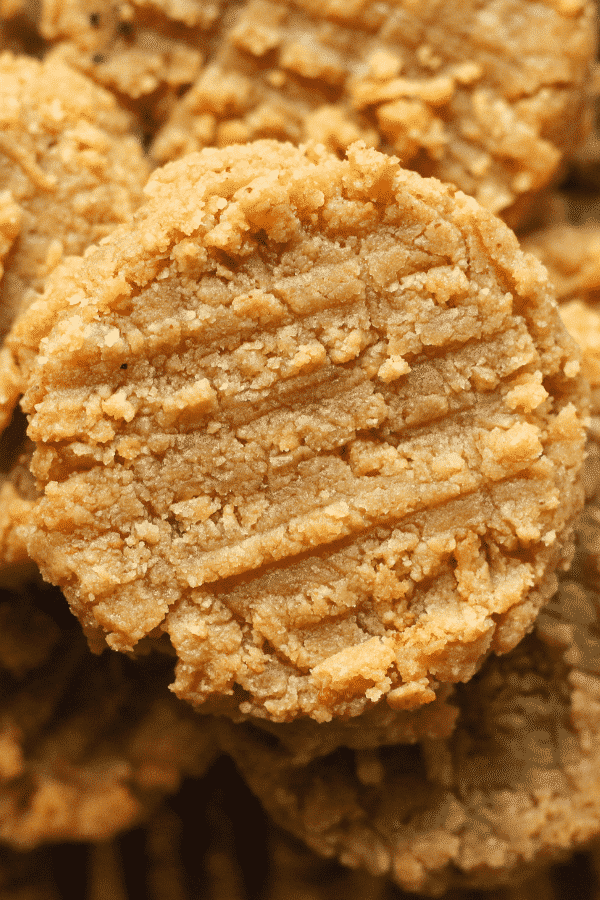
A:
[88,745]
[317,419]
[298,873]
[145,51]
[571,253]
[490,96]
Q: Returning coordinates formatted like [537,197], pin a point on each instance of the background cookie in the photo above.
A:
[211,841]
[296,872]
[145,51]
[88,745]
[70,171]
[491,97]
[571,253]
[316,419]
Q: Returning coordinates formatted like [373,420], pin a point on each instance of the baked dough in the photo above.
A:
[317,419]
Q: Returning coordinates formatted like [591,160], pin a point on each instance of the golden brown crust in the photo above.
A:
[341,460]
[489,96]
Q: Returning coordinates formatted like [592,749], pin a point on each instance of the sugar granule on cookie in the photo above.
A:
[316,419]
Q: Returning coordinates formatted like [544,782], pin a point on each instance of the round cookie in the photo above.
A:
[316,419]
[491,96]
[515,785]
[88,745]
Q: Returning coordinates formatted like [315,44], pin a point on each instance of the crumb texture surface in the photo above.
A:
[317,419]
[70,170]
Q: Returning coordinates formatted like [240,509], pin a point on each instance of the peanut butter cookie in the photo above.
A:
[88,745]
[317,419]
[145,51]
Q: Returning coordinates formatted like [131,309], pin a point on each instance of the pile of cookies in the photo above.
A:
[300,458]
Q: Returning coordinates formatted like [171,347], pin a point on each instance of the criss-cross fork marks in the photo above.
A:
[342,452]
